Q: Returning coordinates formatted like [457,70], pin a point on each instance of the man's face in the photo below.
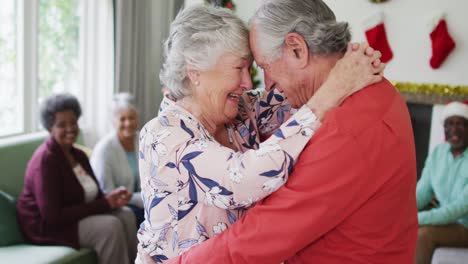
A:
[456,132]
[278,74]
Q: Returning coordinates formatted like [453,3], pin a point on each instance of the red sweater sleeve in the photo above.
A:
[324,189]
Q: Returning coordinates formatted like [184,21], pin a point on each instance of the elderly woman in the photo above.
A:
[61,203]
[114,158]
[201,161]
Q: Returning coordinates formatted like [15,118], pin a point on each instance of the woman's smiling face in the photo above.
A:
[65,128]
[221,87]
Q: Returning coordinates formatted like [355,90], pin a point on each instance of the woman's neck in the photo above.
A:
[193,108]
[69,156]
[66,149]
[127,143]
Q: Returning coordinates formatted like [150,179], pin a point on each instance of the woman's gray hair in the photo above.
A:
[198,37]
[312,19]
[122,101]
[58,103]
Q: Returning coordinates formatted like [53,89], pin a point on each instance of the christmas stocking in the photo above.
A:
[377,36]
[442,42]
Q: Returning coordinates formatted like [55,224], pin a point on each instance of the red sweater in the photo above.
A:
[52,201]
[350,199]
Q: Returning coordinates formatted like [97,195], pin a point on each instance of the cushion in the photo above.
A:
[10,233]
[450,256]
[34,253]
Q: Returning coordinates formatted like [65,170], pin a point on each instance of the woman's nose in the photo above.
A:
[71,128]
[247,82]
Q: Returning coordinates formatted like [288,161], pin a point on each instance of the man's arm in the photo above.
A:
[424,192]
[327,185]
[447,214]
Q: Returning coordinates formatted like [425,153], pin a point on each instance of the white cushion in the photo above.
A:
[450,256]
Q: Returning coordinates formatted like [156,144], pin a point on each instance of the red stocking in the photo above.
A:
[442,43]
[377,36]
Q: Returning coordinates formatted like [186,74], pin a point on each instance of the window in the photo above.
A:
[10,96]
[58,46]
[39,48]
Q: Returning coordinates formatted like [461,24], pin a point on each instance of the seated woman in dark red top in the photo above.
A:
[61,203]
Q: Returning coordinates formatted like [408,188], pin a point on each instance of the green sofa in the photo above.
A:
[13,247]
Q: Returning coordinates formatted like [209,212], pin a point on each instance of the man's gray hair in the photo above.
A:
[122,101]
[198,37]
[312,19]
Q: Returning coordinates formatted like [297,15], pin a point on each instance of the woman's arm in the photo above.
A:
[225,178]
[101,162]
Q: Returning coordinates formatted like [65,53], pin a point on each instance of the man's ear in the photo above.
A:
[297,50]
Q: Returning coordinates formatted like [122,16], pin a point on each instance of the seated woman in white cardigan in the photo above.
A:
[114,159]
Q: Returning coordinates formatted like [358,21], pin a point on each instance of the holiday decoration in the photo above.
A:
[442,43]
[222,3]
[377,36]
[431,93]
[253,75]
[432,88]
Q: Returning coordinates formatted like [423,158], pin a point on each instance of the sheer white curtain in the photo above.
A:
[97,67]
[141,28]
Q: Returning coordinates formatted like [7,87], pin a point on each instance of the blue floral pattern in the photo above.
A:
[194,188]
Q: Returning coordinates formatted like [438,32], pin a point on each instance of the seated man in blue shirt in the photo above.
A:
[445,176]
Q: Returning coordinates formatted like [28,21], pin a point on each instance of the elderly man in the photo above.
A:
[445,175]
[353,201]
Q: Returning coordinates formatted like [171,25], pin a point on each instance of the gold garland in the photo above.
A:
[432,89]
[378,1]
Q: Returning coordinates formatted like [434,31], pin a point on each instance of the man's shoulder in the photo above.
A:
[369,107]
[442,147]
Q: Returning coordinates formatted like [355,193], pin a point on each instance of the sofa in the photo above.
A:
[446,255]
[13,247]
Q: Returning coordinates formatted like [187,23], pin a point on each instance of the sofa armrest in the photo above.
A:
[10,233]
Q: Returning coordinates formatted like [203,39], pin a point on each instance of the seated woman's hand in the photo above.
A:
[118,197]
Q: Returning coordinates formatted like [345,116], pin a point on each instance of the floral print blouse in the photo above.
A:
[193,188]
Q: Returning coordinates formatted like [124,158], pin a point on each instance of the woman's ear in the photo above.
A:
[296,49]
[194,76]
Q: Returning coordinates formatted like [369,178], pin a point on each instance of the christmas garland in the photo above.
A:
[222,3]
[431,88]
[429,93]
